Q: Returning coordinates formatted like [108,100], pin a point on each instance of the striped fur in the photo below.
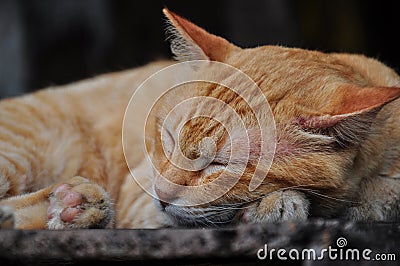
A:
[337,154]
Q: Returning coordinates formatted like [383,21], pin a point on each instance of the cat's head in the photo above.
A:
[323,105]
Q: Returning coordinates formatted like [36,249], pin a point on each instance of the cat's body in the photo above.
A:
[66,133]
[337,152]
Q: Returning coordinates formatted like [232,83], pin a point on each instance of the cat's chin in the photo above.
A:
[278,206]
[195,217]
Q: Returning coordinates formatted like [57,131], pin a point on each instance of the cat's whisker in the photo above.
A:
[278,190]
[326,196]
[304,188]
[210,216]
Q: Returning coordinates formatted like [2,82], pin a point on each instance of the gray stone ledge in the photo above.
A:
[228,245]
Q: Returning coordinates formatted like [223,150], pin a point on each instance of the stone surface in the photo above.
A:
[230,245]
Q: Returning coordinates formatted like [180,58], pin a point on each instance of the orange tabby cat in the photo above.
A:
[337,154]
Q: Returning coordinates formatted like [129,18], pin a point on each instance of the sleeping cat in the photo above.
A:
[337,150]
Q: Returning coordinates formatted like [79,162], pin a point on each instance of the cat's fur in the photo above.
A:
[337,153]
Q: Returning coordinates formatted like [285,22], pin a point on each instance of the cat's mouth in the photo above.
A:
[214,216]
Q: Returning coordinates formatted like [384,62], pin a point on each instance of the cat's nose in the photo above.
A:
[164,198]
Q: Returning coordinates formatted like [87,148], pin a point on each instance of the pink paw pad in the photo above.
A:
[69,214]
[71,198]
[68,200]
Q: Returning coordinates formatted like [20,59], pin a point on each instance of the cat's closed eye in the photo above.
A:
[217,163]
[168,142]
[212,168]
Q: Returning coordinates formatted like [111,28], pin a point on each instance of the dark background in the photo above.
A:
[52,42]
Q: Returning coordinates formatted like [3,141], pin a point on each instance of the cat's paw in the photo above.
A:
[79,204]
[6,217]
[287,205]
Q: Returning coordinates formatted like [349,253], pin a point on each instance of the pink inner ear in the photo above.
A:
[350,101]
[353,99]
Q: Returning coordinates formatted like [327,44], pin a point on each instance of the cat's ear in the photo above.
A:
[190,42]
[349,115]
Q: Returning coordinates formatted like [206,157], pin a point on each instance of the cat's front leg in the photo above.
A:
[78,203]
[378,200]
[285,205]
